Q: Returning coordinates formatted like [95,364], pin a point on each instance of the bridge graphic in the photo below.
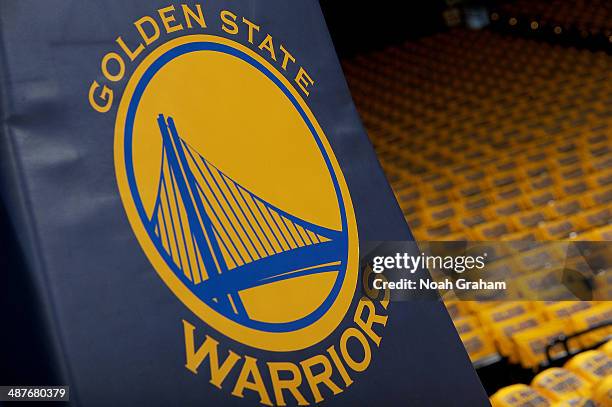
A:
[220,238]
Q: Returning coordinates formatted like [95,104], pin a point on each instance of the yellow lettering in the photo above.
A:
[372,318]
[267,44]
[250,369]
[367,354]
[286,57]
[189,14]
[336,359]
[109,57]
[148,39]
[106,95]
[208,348]
[131,54]
[169,18]
[288,384]
[323,377]
[229,22]
[252,26]
[303,80]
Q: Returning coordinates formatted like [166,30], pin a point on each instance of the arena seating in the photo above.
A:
[491,137]
[585,380]
[485,136]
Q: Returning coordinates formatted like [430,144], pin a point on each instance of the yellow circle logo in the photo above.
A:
[235,195]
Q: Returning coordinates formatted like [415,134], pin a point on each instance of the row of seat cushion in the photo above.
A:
[521,330]
[461,149]
[585,380]
[491,137]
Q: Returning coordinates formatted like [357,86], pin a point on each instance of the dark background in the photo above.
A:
[364,26]
[24,355]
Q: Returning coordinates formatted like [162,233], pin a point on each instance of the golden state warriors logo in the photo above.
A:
[233,192]
[235,195]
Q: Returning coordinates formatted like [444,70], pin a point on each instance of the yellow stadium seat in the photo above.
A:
[541,257]
[575,402]
[598,216]
[469,221]
[505,209]
[508,166]
[505,193]
[503,332]
[539,186]
[559,384]
[529,219]
[568,174]
[491,230]
[505,311]
[440,213]
[503,179]
[466,324]
[519,395]
[474,176]
[477,204]
[564,207]
[565,309]
[470,190]
[461,236]
[439,232]
[568,161]
[531,170]
[502,267]
[519,240]
[601,179]
[603,233]
[574,188]
[592,365]
[438,199]
[600,196]
[589,318]
[558,229]
[531,343]
[601,164]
